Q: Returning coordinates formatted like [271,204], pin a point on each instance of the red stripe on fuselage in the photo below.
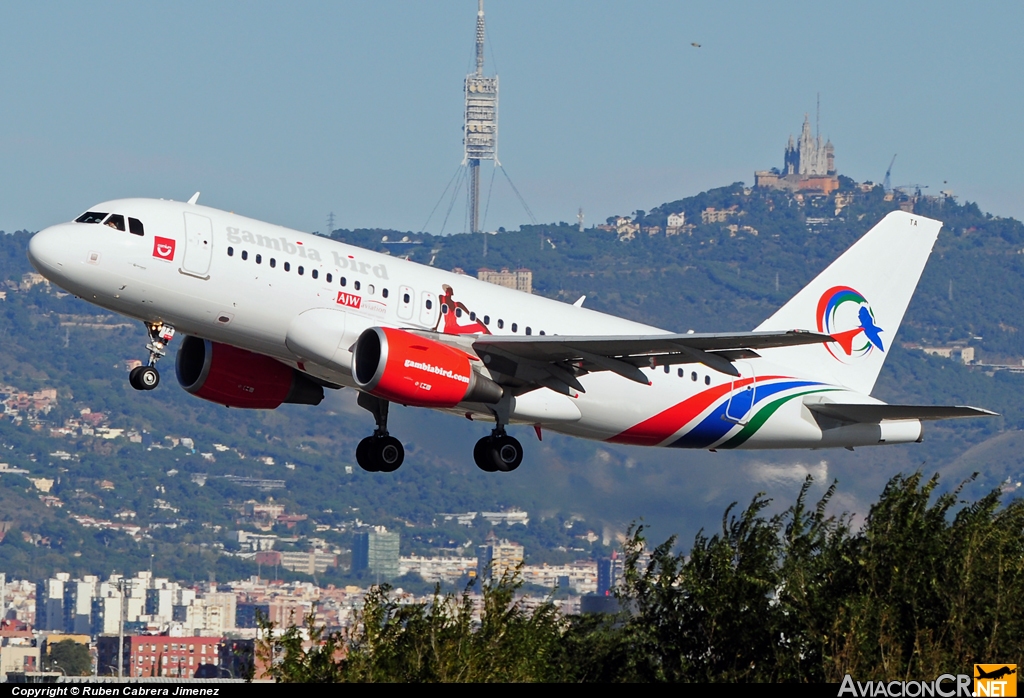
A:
[661,426]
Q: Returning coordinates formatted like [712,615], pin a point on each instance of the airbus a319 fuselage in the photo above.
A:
[272,315]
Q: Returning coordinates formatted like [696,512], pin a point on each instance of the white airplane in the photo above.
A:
[272,315]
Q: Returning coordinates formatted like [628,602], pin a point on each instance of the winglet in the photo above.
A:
[579,301]
[195,198]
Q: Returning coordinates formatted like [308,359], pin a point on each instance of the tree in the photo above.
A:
[73,657]
[437,641]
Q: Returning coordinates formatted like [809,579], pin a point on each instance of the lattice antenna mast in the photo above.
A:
[480,34]
[480,137]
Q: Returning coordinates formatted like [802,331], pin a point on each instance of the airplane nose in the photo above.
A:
[44,251]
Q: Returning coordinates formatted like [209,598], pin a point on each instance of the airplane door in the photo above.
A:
[406,300]
[428,309]
[198,245]
[743,394]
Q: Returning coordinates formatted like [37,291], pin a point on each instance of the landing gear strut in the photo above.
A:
[380,452]
[147,377]
[499,452]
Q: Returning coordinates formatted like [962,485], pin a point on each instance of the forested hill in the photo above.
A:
[711,278]
[708,277]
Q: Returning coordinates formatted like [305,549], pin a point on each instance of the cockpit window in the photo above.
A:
[91,217]
[135,226]
[116,221]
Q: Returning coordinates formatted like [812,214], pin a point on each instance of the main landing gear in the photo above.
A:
[498,452]
[147,377]
[381,452]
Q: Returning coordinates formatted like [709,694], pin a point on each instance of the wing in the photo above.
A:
[556,361]
[872,414]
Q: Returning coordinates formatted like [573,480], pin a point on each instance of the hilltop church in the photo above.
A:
[810,166]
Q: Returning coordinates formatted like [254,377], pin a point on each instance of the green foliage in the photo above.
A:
[426,642]
[935,588]
[70,656]
[930,585]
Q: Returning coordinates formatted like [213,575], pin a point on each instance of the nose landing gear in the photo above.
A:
[144,377]
[147,377]
[381,452]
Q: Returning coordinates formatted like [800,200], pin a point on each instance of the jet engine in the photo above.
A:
[235,377]
[411,370]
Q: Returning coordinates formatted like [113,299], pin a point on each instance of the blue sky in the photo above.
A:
[288,112]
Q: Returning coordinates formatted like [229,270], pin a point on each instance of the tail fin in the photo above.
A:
[860,300]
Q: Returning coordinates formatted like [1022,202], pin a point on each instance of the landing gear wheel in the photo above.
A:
[498,452]
[507,452]
[144,378]
[380,454]
[483,457]
[364,455]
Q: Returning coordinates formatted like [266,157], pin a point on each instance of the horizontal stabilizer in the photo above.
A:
[872,414]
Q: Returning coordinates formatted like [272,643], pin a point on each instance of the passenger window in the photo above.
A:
[487,319]
[91,217]
[693,376]
[369,289]
[667,368]
[458,312]
[472,315]
[315,273]
[343,281]
[542,332]
[707,380]
[356,285]
[116,221]
[330,278]
[429,304]
[245,254]
[287,266]
[501,324]
[301,270]
[680,373]
[259,259]
[405,298]
[135,226]
[384,293]
[231,252]
[444,308]
[515,327]
[273,262]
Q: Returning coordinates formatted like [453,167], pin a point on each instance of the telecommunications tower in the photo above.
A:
[480,132]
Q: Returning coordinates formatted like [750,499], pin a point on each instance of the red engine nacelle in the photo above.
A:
[235,377]
[411,370]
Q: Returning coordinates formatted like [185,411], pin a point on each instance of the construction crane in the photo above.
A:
[886,183]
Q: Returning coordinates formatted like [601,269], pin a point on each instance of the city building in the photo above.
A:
[50,602]
[520,279]
[609,571]
[157,655]
[308,563]
[376,550]
[495,557]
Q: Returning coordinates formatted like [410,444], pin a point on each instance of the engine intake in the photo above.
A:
[411,370]
[236,377]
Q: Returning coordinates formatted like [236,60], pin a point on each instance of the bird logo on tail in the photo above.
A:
[846,315]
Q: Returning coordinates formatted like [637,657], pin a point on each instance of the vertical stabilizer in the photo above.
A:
[860,300]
